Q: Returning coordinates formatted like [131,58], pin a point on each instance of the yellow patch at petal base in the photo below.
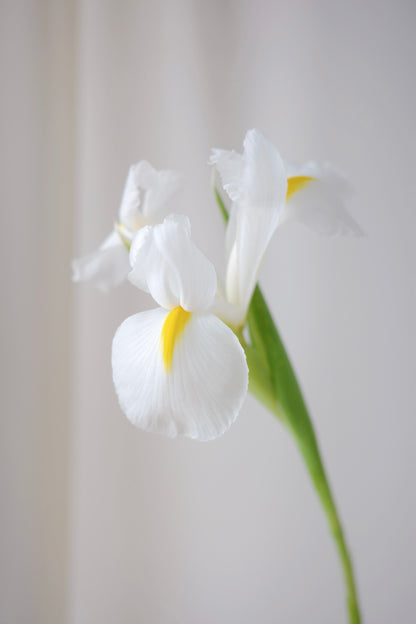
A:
[125,235]
[172,330]
[296,183]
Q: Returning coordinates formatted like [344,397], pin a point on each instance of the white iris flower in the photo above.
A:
[177,369]
[265,193]
[145,201]
[181,368]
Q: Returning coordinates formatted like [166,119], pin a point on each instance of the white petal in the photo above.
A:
[112,240]
[227,312]
[130,213]
[202,394]
[254,217]
[257,176]
[146,195]
[320,204]
[230,167]
[161,187]
[264,173]
[104,268]
[168,264]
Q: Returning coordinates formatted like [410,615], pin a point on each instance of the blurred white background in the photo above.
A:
[102,522]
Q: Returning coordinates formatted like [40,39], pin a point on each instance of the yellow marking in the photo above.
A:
[295,184]
[124,234]
[172,330]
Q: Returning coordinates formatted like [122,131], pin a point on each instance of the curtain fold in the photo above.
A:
[37,123]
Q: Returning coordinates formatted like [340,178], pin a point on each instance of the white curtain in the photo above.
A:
[102,522]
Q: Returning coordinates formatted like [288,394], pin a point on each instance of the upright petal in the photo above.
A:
[258,202]
[230,166]
[257,176]
[104,268]
[264,177]
[161,187]
[319,203]
[129,213]
[146,195]
[199,396]
[168,264]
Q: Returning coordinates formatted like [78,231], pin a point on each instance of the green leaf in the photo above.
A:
[221,205]
[267,341]
[286,389]
[260,383]
[289,398]
[273,381]
[257,322]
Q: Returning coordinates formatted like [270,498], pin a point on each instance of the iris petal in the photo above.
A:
[256,182]
[320,205]
[105,268]
[200,396]
[168,264]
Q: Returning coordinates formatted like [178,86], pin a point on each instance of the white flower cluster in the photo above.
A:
[180,368]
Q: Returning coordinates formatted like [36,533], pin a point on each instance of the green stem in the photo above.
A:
[314,463]
[286,402]
[259,381]
[273,382]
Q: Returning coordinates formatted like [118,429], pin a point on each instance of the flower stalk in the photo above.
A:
[184,367]
[273,381]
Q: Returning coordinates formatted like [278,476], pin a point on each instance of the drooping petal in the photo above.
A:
[254,215]
[146,195]
[319,202]
[168,264]
[104,268]
[199,396]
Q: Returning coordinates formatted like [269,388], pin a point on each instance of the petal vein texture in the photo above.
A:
[200,396]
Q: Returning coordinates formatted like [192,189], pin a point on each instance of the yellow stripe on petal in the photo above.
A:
[295,184]
[172,330]
[125,235]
